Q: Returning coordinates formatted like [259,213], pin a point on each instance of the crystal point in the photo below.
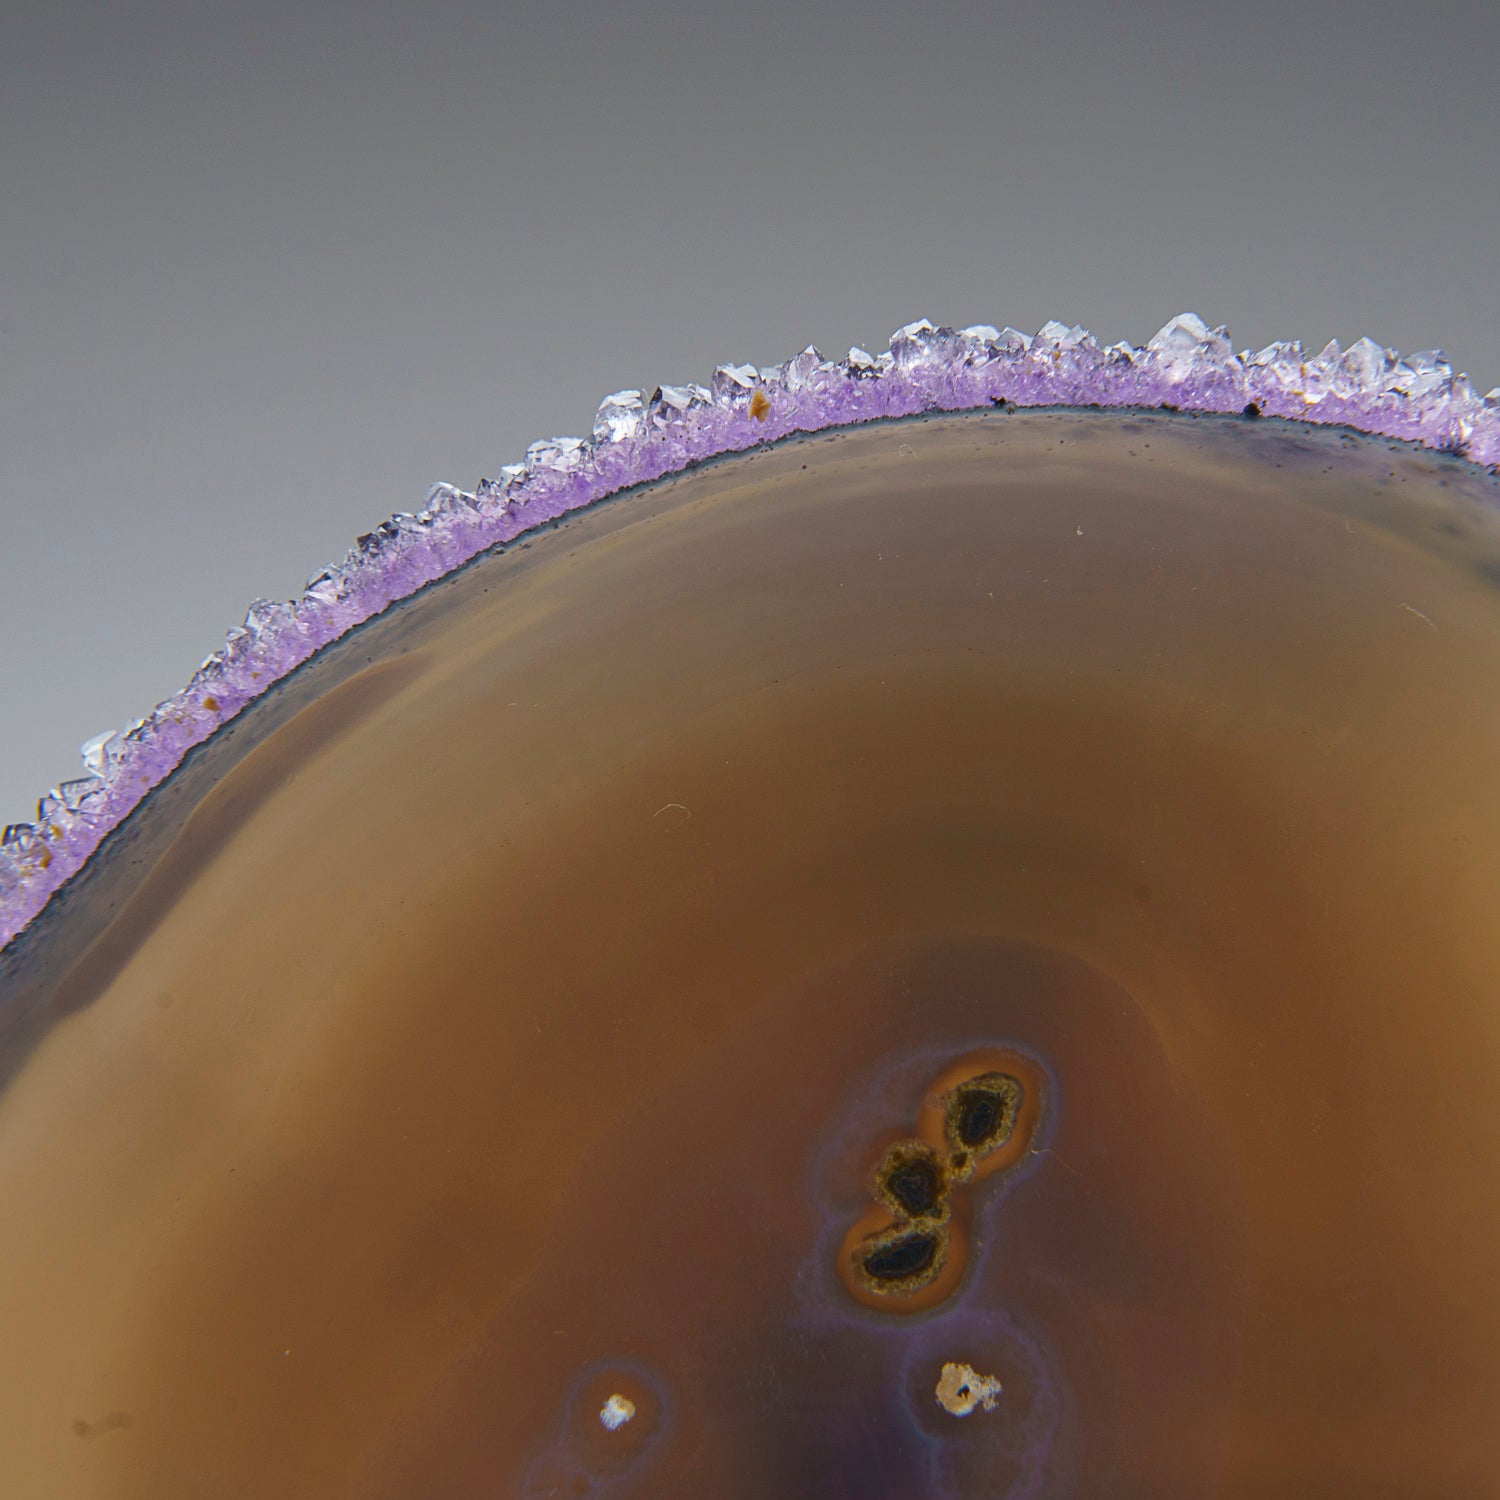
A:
[101,752]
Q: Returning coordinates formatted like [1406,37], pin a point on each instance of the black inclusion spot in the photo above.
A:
[915,1186]
[978,1114]
[900,1259]
[1251,409]
[983,1112]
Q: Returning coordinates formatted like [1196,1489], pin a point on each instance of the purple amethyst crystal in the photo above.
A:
[1186,366]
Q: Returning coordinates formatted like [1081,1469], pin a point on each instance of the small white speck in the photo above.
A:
[961,1390]
[617,1411]
[1078,531]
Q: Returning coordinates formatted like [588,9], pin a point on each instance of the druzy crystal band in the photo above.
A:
[1186,366]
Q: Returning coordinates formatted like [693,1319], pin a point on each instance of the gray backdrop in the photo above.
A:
[269,270]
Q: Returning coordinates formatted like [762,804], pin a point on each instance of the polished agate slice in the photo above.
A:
[946,951]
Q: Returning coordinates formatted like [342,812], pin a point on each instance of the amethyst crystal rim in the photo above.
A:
[1187,366]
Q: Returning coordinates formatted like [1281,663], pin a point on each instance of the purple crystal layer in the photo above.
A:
[635,439]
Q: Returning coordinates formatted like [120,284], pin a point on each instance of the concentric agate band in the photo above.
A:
[1186,367]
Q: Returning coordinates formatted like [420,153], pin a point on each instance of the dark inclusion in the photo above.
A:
[982,1112]
[903,1259]
[917,1181]
[911,1182]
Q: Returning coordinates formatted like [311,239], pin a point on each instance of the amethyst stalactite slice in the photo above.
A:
[917,926]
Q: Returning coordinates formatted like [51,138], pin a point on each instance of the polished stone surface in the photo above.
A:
[516,1008]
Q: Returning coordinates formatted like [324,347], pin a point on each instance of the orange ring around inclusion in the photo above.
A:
[995,1075]
[883,1261]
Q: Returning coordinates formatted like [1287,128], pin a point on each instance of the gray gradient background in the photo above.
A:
[269,270]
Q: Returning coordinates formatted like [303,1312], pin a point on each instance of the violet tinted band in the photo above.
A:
[1186,366]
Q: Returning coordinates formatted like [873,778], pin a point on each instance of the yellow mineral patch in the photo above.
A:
[617,1411]
[961,1390]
